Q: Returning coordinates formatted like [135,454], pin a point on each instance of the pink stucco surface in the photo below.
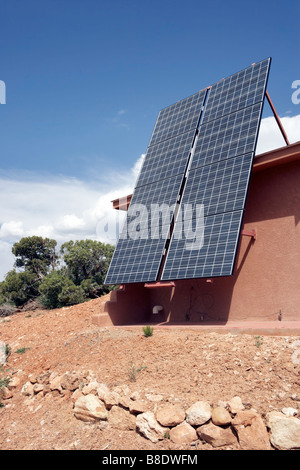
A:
[265,286]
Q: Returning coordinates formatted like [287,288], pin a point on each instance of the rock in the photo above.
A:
[110,399]
[27,389]
[102,390]
[235,405]
[125,402]
[220,416]
[121,419]
[216,436]
[199,413]
[90,408]
[122,390]
[286,411]
[14,382]
[184,433]
[43,378]
[76,394]
[90,388]
[55,384]
[70,381]
[51,376]
[135,396]
[251,430]
[5,393]
[38,388]
[32,378]
[147,425]
[137,407]
[2,353]
[155,398]
[170,415]
[285,431]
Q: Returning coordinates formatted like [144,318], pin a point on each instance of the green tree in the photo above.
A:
[18,288]
[82,276]
[87,262]
[57,290]
[35,254]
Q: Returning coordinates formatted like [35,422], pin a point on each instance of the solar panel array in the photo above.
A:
[219,176]
[208,153]
[141,246]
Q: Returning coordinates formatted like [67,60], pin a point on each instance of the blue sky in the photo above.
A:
[85,80]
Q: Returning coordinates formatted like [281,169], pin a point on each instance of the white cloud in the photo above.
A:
[12,229]
[270,137]
[6,257]
[60,208]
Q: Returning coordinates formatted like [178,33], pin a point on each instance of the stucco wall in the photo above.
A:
[266,281]
[267,271]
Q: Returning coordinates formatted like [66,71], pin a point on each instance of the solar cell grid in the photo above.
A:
[220,188]
[219,175]
[232,135]
[136,261]
[238,91]
[217,182]
[178,118]
[141,244]
[166,159]
[215,258]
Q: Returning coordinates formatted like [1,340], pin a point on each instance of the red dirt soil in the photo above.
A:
[182,364]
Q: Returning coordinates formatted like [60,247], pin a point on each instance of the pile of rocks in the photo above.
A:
[225,425]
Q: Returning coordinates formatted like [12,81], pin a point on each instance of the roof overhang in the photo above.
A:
[280,156]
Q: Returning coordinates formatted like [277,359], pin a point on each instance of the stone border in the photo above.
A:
[227,425]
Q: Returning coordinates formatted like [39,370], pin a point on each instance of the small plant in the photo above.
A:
[148,331]
[21,350]
[259,341]
[133,372]
[7,350]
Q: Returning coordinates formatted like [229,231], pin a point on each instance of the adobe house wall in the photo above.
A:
[266,281]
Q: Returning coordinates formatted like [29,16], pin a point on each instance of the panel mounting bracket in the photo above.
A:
[159,284]
[277,119]
[250,233]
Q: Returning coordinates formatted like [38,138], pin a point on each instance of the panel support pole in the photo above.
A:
[277,119]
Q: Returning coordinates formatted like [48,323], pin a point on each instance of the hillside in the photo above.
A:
[175,366]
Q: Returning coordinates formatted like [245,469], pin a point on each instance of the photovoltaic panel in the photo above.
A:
[215,258]
[146,199]
[178,118]
[136,260]
[217,180]
[219,176]
[229,136]
[220,187]
[141,246]
[166,159]
[238,91]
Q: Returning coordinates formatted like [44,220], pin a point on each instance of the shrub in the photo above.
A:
[71,295]
[58,291]
[148,330]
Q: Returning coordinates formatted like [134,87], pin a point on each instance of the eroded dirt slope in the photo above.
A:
[183,365]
